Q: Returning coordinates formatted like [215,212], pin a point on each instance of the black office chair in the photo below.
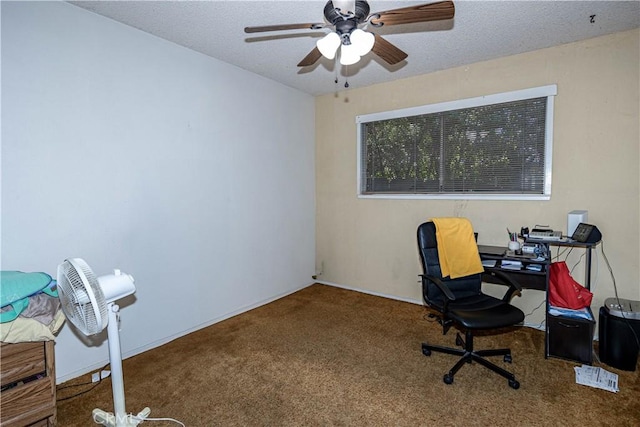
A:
[460,302]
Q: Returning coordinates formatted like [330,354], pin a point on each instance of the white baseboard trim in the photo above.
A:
[160,342]
[537,326]
[365,291]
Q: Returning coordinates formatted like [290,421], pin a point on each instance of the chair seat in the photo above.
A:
[484,312]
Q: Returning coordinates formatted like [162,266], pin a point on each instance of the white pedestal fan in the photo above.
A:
[89,303]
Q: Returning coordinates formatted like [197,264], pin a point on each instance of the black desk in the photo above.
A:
[565,337]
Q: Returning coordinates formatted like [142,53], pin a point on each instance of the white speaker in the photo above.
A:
[574,218]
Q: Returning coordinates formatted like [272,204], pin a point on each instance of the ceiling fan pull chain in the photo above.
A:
[346,76]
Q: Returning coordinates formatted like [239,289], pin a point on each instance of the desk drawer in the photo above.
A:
[20,361]
[28,369]
[570,339]
[27,403]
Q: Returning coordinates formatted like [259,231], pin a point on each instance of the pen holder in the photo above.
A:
[514,246]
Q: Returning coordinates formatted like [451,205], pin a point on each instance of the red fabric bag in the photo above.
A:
[564,291]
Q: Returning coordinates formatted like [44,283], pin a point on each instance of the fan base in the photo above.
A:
[110,420]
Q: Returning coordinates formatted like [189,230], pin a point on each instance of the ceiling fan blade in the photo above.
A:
[308,26]
[420,13]
[387,51]
[311,58]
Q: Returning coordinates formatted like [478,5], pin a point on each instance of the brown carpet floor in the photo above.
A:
[326,356]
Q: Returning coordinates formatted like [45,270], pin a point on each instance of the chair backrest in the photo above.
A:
[460,287]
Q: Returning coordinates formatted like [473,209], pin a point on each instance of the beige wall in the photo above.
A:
[370,245]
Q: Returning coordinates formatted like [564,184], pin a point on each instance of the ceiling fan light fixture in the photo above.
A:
[328,45]
[349,54]
[362,40]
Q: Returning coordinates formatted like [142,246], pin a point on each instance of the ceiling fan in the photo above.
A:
[346,16]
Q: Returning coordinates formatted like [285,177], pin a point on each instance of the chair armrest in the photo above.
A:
[514,286]
[441,286]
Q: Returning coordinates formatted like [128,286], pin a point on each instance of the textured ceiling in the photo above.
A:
[481,30]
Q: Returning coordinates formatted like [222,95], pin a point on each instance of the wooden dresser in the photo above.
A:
[28,396]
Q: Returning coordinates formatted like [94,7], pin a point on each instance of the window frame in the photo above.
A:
[548,91]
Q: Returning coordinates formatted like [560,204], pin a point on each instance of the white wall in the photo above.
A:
[192,175]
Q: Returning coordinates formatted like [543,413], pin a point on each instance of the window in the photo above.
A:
[491,147]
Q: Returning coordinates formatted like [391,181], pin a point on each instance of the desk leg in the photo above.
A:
[587,269]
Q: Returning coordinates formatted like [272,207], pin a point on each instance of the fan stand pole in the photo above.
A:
[119,418]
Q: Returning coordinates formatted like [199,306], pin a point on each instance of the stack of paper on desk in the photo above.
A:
[509,264]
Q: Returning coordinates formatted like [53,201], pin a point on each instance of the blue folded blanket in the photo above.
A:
[16,287]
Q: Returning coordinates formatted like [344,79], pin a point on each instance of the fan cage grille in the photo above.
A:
[82,298]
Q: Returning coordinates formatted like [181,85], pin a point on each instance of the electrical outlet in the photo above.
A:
[98,376]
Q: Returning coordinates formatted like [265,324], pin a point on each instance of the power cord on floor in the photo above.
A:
[80,393]
[173,420]
[108,418]
[94,385]
[97,383]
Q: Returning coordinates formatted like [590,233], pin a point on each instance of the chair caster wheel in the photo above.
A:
[426,352]
[448,379]
[514,384]
[507,358]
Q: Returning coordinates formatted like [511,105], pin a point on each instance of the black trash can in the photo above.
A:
[618,321]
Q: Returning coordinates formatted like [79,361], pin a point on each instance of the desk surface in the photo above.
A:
[566,242]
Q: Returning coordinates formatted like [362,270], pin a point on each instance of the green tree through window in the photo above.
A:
[491,149]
